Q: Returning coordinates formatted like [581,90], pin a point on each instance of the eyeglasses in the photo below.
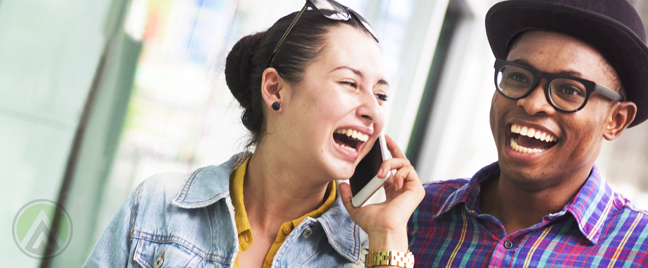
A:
[329,9]
[565,93]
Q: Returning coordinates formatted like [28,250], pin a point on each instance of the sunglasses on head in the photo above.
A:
[330,9]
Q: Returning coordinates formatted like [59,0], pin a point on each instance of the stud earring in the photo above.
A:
[276,106]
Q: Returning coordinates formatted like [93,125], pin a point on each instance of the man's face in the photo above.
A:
[568,143]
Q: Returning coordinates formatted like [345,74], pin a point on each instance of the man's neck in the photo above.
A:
[519,208]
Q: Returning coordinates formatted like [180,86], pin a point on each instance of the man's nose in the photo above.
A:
[536,102]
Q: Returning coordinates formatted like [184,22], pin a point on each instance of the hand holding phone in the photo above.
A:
[386,222]
[365,182]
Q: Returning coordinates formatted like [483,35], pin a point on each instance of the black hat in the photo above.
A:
[613,27]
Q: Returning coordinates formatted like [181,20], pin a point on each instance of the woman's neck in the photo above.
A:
[276,190]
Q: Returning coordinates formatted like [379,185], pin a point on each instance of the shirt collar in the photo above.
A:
[209,184]
[590,206]
[240,215]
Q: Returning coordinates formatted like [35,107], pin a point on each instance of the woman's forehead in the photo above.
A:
[352,47]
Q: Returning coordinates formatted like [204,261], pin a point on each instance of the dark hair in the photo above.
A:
[248,59]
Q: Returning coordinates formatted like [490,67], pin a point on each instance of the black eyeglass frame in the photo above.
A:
[349,15]
[590,86]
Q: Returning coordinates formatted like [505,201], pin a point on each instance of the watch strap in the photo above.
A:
[393,258]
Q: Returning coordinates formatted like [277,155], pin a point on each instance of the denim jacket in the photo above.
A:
[187,220]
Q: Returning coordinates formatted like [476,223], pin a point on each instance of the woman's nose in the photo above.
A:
[370,109]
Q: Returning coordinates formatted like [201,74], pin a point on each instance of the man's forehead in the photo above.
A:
[558,53]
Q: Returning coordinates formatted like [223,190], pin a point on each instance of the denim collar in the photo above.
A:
[590,206]
[210,184]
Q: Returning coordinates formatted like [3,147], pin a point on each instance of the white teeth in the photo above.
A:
[533,133]
[523,149]
[353,134]
[363,137]
[346,147]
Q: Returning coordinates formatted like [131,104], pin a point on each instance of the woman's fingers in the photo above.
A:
[345,194]
[393,148]
[403,169]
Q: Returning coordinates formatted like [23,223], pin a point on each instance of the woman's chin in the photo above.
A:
[342,170]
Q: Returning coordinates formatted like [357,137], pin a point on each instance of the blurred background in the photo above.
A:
[96,96]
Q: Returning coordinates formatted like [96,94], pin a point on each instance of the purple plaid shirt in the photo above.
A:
[598,228]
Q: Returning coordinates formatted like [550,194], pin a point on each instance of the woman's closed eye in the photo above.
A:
[349,83]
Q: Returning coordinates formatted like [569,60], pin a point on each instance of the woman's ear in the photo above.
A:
[621,115]
[272,86]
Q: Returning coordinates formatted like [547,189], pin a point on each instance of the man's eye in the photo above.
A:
[571,90]
[382,97]
[518,77]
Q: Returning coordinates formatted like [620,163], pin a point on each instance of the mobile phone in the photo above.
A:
[364,182]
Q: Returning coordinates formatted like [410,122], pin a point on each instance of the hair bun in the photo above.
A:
[238,67]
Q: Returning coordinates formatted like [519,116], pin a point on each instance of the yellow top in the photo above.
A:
[243,224]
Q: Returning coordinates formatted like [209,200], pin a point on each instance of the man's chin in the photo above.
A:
[527,177]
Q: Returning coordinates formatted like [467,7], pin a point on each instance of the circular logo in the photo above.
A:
[33,231]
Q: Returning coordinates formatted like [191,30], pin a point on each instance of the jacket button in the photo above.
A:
[308,232]
[159,261]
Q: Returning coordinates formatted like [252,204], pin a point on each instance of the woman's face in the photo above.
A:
[329,119]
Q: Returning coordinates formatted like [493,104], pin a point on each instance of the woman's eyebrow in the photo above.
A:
[359,73]
[355,71]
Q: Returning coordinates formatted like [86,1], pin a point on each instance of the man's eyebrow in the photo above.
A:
[565,72]
[359,73]
[525,63]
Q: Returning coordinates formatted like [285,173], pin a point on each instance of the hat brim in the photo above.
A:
[619,45]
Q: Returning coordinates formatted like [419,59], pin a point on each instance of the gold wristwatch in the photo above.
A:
[394,258]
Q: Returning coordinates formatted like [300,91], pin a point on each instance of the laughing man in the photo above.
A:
[569,74]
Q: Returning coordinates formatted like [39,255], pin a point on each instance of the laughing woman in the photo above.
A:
[312,75]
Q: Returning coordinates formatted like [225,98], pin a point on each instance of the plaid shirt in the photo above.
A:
[598,228]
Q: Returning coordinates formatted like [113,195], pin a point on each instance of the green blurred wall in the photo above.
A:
[49,56]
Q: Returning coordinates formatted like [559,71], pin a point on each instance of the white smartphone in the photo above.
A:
[364,182]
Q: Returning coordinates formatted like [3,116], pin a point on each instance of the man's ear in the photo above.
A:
[271,87]
[621,115]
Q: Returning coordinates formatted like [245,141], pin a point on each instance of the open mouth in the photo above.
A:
[529,140]
[349,139]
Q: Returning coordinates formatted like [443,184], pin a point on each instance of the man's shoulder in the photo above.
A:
[627,210]
[437,189]
[438,194]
